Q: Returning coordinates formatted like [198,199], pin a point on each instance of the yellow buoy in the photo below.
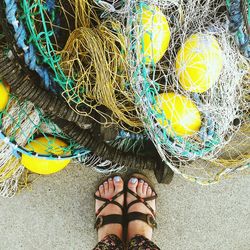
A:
[4,94]
[199,63]
[181,116]
[43,145]
[155,35]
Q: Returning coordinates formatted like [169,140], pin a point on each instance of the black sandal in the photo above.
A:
[148,218]
[112,218]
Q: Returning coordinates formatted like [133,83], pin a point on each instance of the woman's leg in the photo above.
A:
[140,231]
[109,213]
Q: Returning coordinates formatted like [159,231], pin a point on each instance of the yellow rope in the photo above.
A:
[95,59]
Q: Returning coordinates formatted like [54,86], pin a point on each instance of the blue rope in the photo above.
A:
[50,4]
[235,16]
[29,50]
[207,130]
[125,134]
[236,26]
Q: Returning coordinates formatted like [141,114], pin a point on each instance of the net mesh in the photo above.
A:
[89,65]
[219,106]
[20,124]
[111,61]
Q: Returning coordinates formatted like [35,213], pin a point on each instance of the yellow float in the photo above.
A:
[181,116]
[155,36]
[199,63]
[4,94]
[47,146]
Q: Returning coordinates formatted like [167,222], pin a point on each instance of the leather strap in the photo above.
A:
[108,219]
[109,201]
[141,200]
[148,218]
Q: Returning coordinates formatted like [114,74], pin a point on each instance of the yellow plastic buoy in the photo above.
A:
[181,116]
[155,35]
[43,145]
[199,63]
[4,94]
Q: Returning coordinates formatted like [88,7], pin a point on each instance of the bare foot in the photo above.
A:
[107,190]
[143,190]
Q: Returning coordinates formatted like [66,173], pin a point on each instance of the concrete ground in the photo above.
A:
[58,214]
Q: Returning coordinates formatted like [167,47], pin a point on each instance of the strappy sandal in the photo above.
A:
[112,218]
[148,218]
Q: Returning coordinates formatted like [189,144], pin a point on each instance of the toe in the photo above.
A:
[118,184]
[144,189]
[132,184]
[139,188]
[111,185]
[97,193]
[149,192]
[101,190]
[106,187]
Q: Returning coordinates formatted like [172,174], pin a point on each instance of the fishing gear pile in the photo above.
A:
[160,85]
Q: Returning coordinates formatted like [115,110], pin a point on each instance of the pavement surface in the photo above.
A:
[58,213]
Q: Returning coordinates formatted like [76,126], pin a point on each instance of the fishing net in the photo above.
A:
[84,58]
[21,124]
[166,73]
[95,152]
[218,105]
[222,106]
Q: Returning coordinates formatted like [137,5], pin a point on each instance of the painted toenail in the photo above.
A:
[117,178]
[141,181]
[105,182]
[101,186]
[133,180]
[110,179]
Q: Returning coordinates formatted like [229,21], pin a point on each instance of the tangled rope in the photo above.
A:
[239,17]
[77,68]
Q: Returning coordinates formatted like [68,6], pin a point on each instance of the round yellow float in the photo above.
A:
[181,116]
[43,145]
[155,33]
[199,63]
[4,94]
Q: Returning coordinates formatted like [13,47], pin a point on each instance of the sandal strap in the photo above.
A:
[148,218]
[108,219]
[109,201]
[141,200]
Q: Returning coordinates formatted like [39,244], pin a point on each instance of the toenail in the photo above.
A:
[101,186]
[133,180]
[105,182]
[141,181]
[110,179]
[117,178]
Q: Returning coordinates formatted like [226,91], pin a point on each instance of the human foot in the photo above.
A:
[109,207]
[140,198]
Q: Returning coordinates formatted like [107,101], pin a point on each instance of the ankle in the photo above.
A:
[112,229]
[139,228]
